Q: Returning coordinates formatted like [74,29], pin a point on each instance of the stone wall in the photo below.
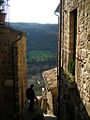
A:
[71,104]
[50,79]
[22,71]
[13,72]
[82,47]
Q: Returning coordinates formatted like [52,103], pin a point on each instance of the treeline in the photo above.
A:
[39,36]
[40,66]
[39,61]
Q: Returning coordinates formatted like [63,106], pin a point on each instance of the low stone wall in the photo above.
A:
[50,77]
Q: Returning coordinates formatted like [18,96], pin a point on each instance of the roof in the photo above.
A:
[58,8]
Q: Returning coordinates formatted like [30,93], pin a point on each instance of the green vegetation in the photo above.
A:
[69,77]
[71,66]
[40,37]
[39,56]
[71,70]
[71,80]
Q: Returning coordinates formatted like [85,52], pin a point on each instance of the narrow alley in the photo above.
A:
[54,57]
[37,114]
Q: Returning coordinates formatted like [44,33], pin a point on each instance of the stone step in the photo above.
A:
[49,117]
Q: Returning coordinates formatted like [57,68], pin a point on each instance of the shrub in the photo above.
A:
[71,66]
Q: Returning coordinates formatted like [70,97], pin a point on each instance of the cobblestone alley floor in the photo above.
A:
[37,114]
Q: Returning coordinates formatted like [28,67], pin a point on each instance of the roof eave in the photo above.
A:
[57,9]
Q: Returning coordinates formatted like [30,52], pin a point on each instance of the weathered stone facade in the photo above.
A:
[75,39]
[13,72]
[50,77]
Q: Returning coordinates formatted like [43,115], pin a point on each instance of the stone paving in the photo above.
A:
[50,117]
[37,114]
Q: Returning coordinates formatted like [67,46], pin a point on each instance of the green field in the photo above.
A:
[40,56]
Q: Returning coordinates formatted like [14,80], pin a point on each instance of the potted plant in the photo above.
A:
[2,11]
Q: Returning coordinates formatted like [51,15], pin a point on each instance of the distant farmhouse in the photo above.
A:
[13,72]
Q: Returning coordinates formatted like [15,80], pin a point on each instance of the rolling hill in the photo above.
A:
[39,36]
[41,43]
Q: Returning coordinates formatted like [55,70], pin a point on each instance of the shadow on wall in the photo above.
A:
[72,107]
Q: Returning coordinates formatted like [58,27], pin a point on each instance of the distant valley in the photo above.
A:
[41,41]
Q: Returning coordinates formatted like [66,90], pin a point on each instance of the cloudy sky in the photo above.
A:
[36,11]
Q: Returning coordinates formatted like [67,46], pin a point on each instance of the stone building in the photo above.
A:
[74,59]
[13,72]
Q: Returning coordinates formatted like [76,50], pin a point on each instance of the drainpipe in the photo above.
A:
[13,72]
[63,37]
[57,44]
[59,61]
[59,87]
[59,64]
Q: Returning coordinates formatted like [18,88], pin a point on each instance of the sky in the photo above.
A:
[33,11]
